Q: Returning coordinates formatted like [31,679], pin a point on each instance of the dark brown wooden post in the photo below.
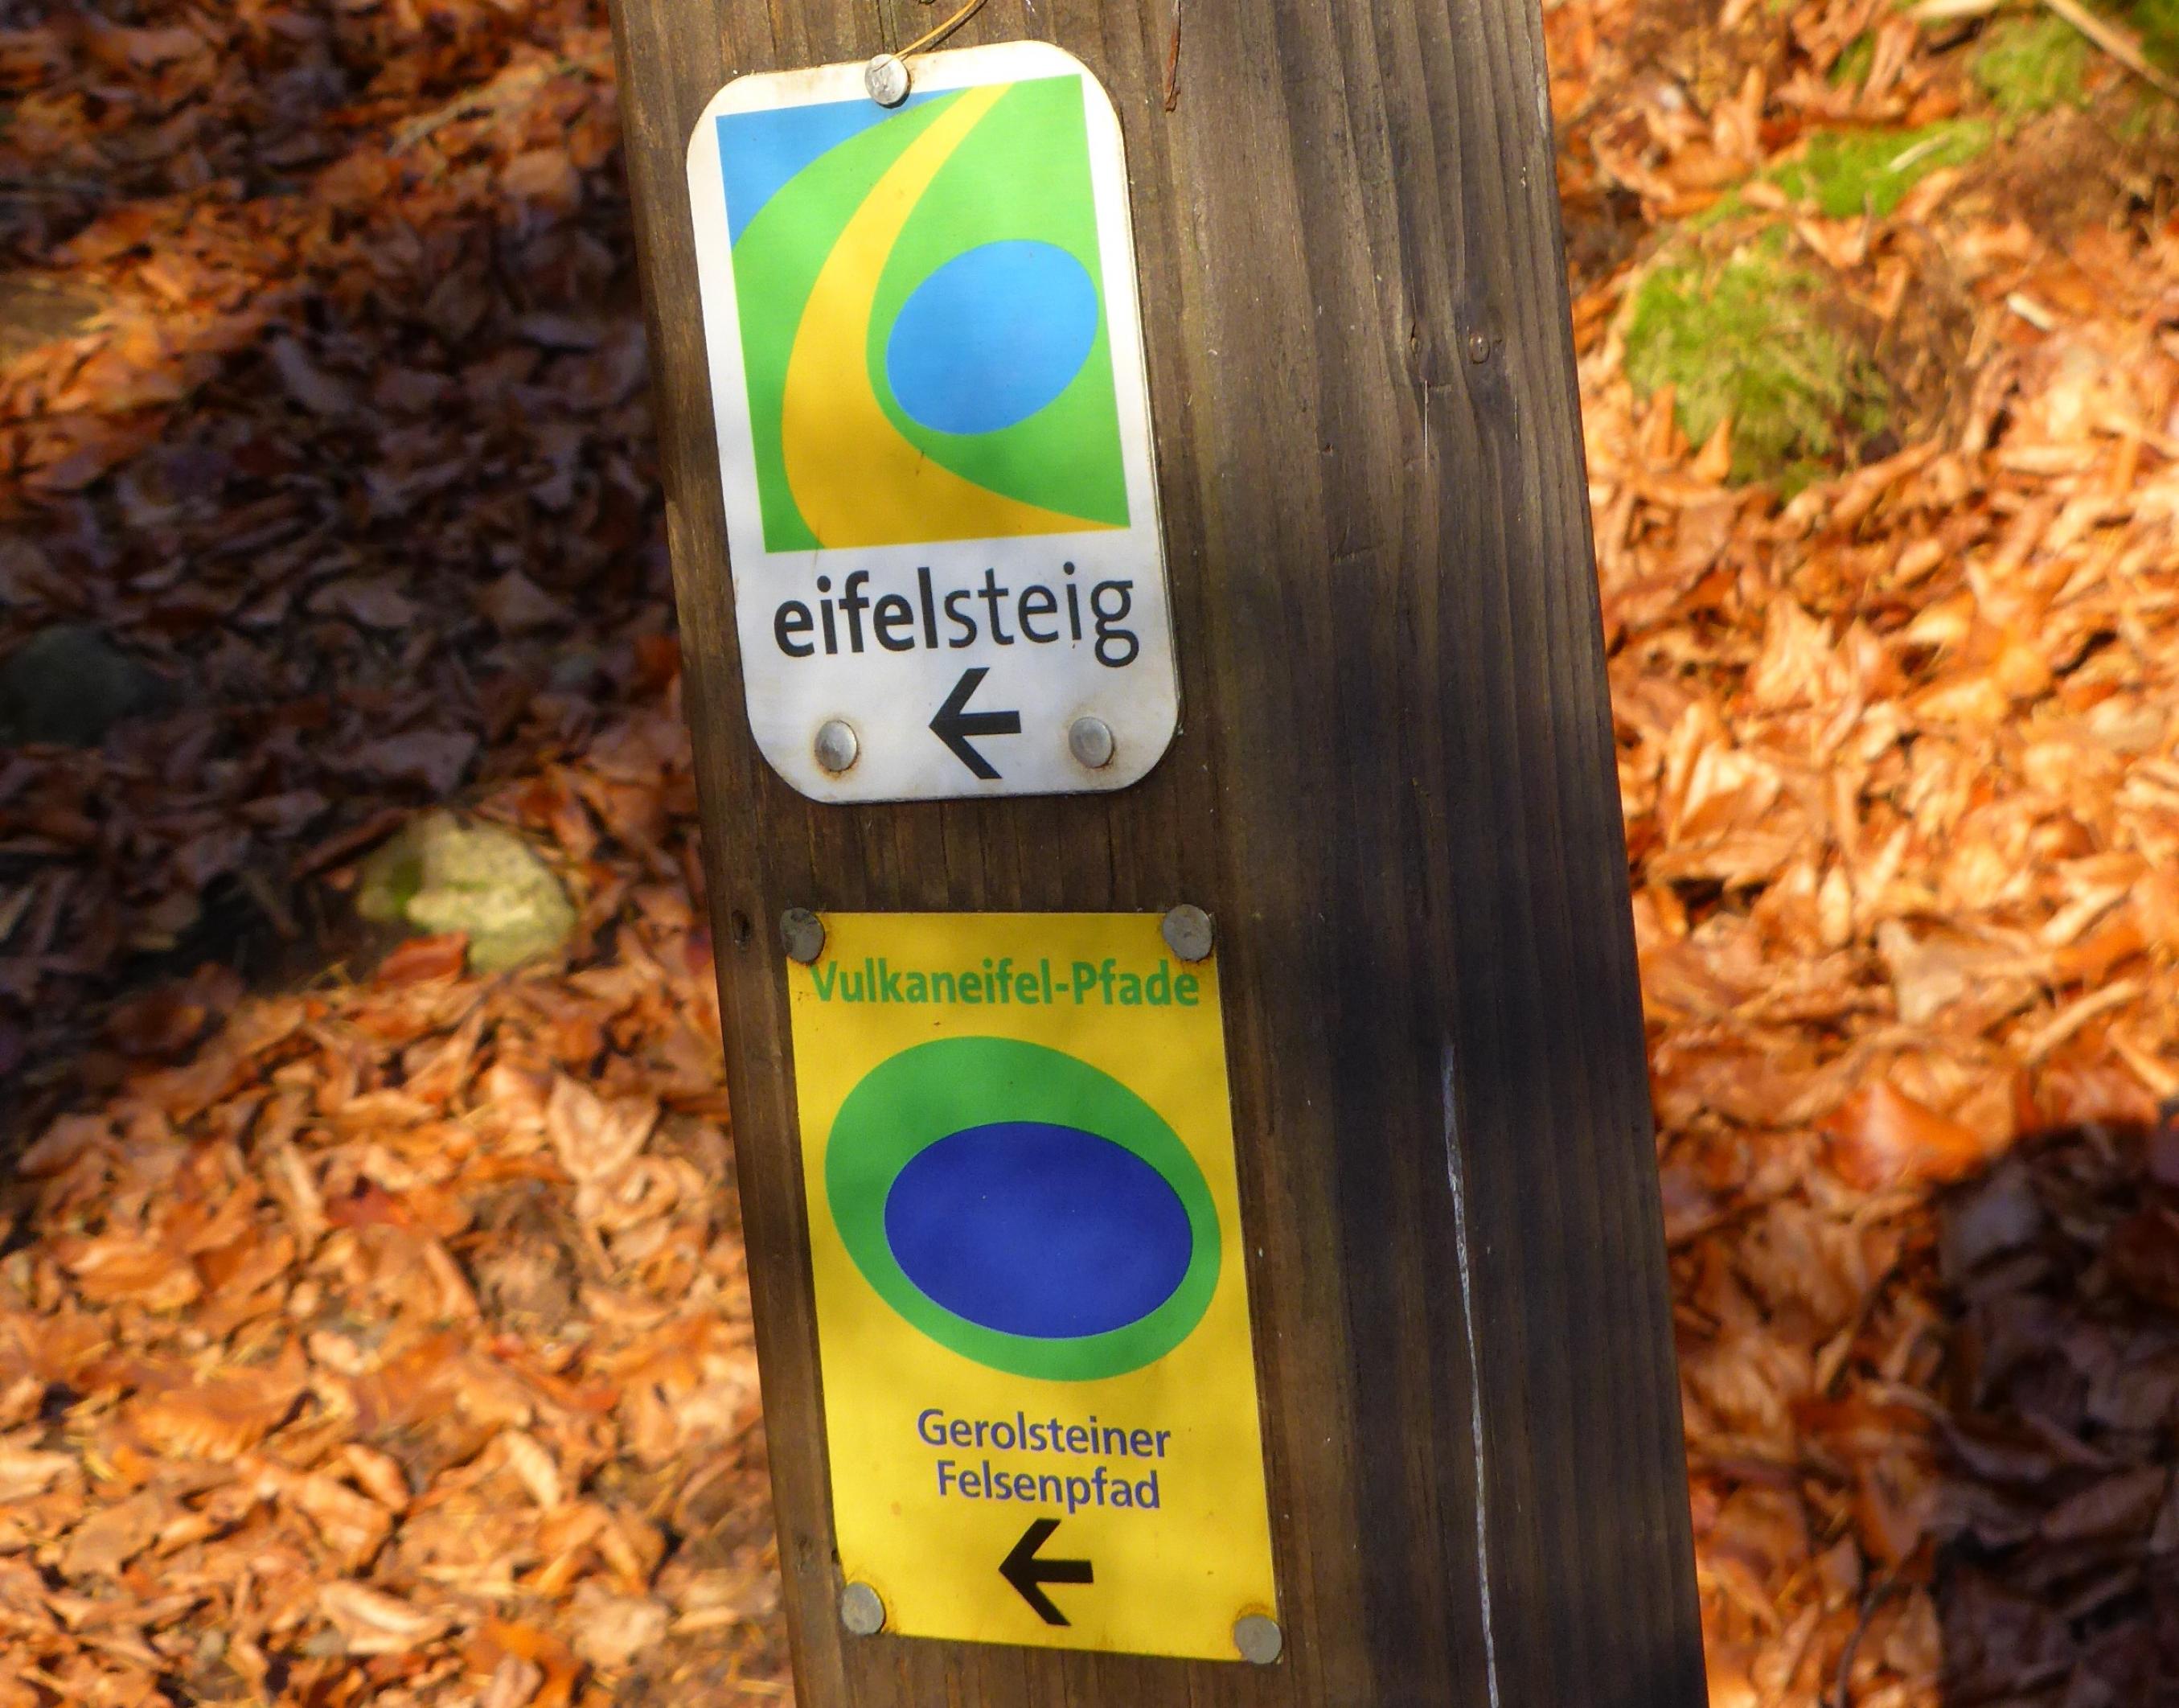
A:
[1394,788]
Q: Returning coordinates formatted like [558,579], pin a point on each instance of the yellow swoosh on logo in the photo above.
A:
[856,478]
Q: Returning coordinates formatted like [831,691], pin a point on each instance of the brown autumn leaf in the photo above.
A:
[370,1621]
[500,1640]
[374,602]
[159,1023]
[63,1145]
[306,382]
[112,1537]
[420,960]
[352,1525]
[221,1417]
[25,1472]
[514,1682]
[1880,1137]
[596,1138]
[544,175]
[124,1266]
[611,1631]
[2144,1254]
[437,760]
[2128,1502]
[516,604]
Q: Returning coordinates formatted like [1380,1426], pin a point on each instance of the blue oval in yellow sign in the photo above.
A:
[1023,1208]
[1036,1229]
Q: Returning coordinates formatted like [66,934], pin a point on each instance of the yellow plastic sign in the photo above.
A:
[1032,1304]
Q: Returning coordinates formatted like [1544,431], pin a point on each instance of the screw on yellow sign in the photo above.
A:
[1032,1306]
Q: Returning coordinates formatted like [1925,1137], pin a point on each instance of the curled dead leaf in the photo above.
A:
[611,1631]
[2144,1254]
[221,1418]
[420,960]
[107,1540]
[437,760]
[352,1526]
[128,1268]
[2114,1506]
[532,1465]
[25,1472]
[1880,1137]
[515,1683]
[596,1140]
[370,1621]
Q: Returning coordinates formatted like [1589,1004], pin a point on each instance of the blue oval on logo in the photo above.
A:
[992,337]
[1038,1230]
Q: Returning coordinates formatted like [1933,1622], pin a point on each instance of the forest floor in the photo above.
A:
[373,1325]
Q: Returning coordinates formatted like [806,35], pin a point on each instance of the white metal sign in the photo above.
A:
[926,361]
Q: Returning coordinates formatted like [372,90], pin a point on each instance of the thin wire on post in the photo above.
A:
[944,30]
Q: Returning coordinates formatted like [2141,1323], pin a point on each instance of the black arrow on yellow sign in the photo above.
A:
[1028,1573]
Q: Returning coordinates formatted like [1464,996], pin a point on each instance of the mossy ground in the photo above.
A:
[2158,21]
[1755,337]
[1744,322]
[1846,172]
[1754,334]
[2027,66]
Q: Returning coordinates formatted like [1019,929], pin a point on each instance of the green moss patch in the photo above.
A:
[2032,65]
[1851,69]
[1758,339]
[1845,173]
[2158,21]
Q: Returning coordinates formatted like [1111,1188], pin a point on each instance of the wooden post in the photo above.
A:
[1395,790]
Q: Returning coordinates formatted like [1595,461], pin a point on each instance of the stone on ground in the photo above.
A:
[68,684]
[443,874]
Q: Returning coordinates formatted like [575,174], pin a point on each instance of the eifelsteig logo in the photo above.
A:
[923,318]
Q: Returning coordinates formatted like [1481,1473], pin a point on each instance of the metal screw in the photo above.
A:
[1478,347]
[885,77]
[837,747]
[864,1614]
[1259,1639]
[1090,741]
[805,933]
[1188,933]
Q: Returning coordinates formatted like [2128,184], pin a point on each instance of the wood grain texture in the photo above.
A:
[1394,789]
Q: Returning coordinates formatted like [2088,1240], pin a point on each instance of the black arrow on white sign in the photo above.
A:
[1028,1573]
[955,724]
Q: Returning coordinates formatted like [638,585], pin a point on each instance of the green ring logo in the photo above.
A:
[1023,1209]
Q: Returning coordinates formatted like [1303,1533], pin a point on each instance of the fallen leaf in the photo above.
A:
[370,1621]
[419,960]
[306,382]
[611,1631]
[374,602]
[438,761]
[596,1140]
[221,1418]
[1880,1137]
[25,1472]
[107,1540]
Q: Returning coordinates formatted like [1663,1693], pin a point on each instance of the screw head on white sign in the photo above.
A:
[837,746]
[886,78]
[1090,741]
